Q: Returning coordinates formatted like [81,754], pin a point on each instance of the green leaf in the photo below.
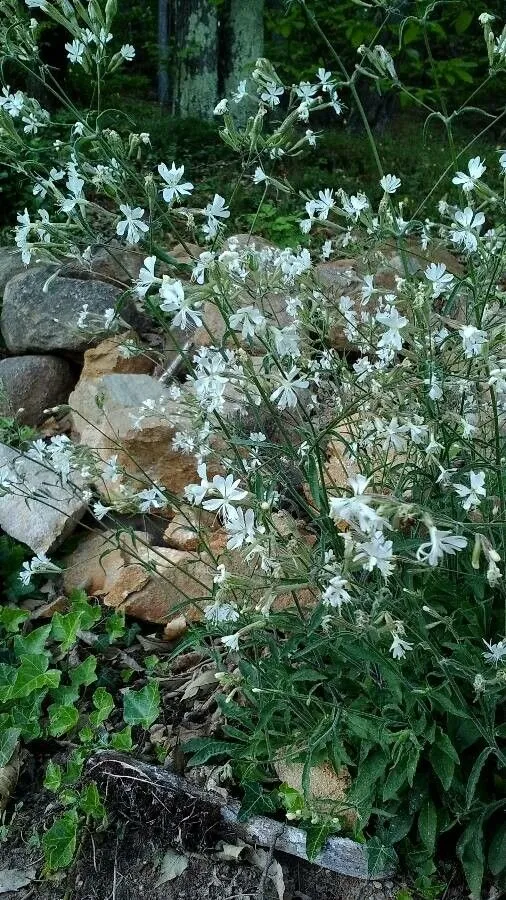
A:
[91,804]
[463,21]
[8,742]
[427,825]
[497,851]
[53,777]
[381,858]
[33,643]
[316,838]
[474,776]
[115,626]
[65,628]
[90,615]
[142,707]
[32,675]
[62,719]
[470,853]
[443,758]
[401,773]
[60,841]
[204,749]
[85,673]
[12,618]
[104,705]
[122,740]
[256,801]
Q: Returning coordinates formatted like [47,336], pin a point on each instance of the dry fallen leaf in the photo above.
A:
[230,852]
[203,679]
[9,775]
[172,866]
[260,859]
[15,879]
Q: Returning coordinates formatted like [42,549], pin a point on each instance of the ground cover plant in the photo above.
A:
[347,435]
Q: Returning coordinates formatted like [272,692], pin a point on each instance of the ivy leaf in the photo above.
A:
[32,675]
[316,838]
[53,777]
[104,705]
[33,643]
[8,742]
[62,719]
[12,618]
[142,707]
[66,627]
[381,858]
[85,673]
[427,825]
[115,626]
[60,841]
[122,740]
[256,801]
[91,804]
[497,851]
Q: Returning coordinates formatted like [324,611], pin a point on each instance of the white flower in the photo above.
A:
[127,52]
[271,94]
[195,493]
[470,226]
[220,612]
[75,51]
[473,340]
[326,249]
[485,18]
[39,565]
[393,322]
[214,211]
[99,510]
[471,495]
[229,493]
[336,103]
[356,511]
[285,395]
[325,79]
[36,4]
[132,224]
[354,205]
[376,553]
[441,542]
[440,279]
[172,178]
[399,646]
[151,498]
[324,204]
[221,108]
[390,183]
[502,161]
[468,180]
[146,277]
[259,176]
[336,594]
[496,652]
[242,529]
[231,641]
[109,316]
[310,137]
[240,93]
[174,300]
[249,320]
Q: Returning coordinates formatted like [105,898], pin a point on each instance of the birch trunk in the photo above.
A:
[245,44]
[196,33]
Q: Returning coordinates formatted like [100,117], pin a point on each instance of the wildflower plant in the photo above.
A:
[350,443]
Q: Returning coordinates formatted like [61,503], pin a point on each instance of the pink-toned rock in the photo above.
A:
[109,427]
[108,359]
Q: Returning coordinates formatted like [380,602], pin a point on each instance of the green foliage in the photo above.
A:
[44,693]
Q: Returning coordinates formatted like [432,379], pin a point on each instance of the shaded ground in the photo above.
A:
[123,862]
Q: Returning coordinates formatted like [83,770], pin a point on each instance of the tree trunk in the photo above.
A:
[163,52]
[244,42]
[196,33]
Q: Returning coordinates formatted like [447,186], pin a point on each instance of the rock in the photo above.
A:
[180,580]
[175,628]
[38,322]
[42,525]
[107,359]
[33,383]
[327,788]
[11,264]
[146,451]
[182,533]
